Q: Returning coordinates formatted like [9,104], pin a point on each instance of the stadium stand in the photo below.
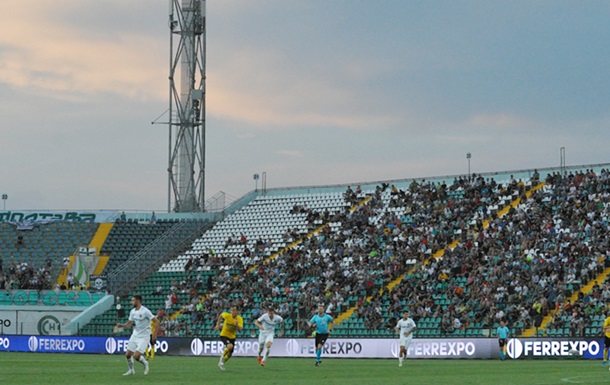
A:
[460,253]
[137,250]
[127,238]
[33,258]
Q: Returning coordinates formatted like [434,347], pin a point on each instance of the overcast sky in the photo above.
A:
[311,91]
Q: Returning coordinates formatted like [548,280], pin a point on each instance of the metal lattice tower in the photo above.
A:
[186,169]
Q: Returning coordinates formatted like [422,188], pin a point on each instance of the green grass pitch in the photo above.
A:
[48,369]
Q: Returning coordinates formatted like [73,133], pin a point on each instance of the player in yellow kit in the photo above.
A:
[150,350]
[606,332]
[233,323]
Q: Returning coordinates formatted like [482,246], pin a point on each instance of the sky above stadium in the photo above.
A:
[312,92]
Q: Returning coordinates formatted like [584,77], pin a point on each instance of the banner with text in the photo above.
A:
[32,216]
[468,348]
[33,322]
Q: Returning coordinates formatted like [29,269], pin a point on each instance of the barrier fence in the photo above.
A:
[467,348]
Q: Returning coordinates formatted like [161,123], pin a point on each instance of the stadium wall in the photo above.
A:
[467,348]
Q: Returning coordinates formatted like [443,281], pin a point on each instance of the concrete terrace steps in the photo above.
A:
[101,235]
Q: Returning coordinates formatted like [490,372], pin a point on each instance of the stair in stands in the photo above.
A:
[531,332]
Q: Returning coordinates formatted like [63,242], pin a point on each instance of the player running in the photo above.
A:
[606,332]
[324,324]
[140,336]
[404,328]
[233,323]
[266,324]
[150,349]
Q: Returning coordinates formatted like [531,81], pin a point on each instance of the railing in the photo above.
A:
[367,185]
[127,276]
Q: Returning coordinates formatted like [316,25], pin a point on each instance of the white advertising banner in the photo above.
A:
[357,348]
[40,323]
[8,322]
[468,348]
[32,216]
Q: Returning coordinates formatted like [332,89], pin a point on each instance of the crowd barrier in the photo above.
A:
[467,348]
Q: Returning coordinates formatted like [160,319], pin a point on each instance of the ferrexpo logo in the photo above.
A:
[514,348]
[292,347]
[111,345]
[33,344]
[395,349]
[196,347]
[5,343]
[428,348]
[549,348]
[117,345]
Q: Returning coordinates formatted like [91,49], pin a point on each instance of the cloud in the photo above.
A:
[44,55]
[272,90]
[499,121]
[290,153]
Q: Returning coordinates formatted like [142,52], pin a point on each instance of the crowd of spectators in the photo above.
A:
[519,267]
[523,265]
[25,276]
[358,252]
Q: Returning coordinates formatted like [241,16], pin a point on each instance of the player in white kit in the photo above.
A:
[266,324]
[141,317]
[404,327]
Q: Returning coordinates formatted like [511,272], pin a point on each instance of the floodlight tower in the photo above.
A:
[186,169]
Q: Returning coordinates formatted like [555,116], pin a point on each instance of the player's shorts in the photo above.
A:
[227,340]
[606,342]
[502,342]
[265,337]
[138,344]
[405,341]
[321,338]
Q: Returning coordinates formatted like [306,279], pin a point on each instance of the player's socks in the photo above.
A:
[265,353]
[130,363]
[150,353]
[226,354]
[143,360]
[319,355]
